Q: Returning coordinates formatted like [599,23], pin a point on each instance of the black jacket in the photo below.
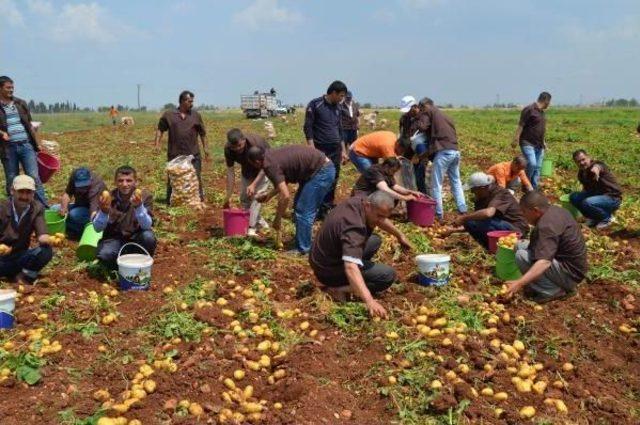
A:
[25,118]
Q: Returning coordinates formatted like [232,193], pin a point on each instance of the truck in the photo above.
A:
[259,105]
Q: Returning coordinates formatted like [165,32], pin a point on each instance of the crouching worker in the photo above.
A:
[495,209]
[20,216]
[85,188]
[125,216]
[345,244]
[511,174]
[554,261]
[381,177]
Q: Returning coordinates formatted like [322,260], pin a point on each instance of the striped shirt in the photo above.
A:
[16,130]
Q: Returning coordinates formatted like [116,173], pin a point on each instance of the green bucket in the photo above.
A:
[547,168]
[88,244]
[506,267]
[567,205]
[56,223]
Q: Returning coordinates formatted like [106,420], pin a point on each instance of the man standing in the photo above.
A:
[236,151]
[85,187]
[345,244]
[113,113]
[511,174]
[18,141]
[184,126]
[601,194]
[408,126]
[323,130]
[530,135]
[555,260]
[20,217]
[350,120]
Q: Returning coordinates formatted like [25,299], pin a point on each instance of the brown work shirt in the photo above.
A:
[606,184]
[17,233]
[507,208]
[557,236]
[183,132]
[88,196]
[292,164]
[341,238]
[368,181]
[533,122]
[439,129]
[349,121]
[248,171]
[122,217]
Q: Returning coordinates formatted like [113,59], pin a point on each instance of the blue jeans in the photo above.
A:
[595,207]
[334,153]
[108,249]
[22,153]
[362,163]
[534,156]
[308,201]
[77,218]
[30,262]
[478,229]
[447,161]
[419,171]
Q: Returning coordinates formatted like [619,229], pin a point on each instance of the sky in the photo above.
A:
[454,51]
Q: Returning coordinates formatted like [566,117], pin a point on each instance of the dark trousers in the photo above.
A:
[419,170]
[334,153]
[478,229]
[197,164]
[349,136]
[108,249]
[30,261]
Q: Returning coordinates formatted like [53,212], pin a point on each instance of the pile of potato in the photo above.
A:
[184,182]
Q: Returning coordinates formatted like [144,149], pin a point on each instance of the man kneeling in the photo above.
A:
[345,244]
[125,216]
[555,260]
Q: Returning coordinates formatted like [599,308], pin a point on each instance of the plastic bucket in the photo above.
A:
[567,205]
[236,222]
[494,235]
[547,168]
[506,267]
[134,270]
[48,165]
[422,211]
[7,307]
[433,269]
[88,244]
[56,223]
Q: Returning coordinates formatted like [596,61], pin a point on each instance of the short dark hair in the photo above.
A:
[425,101]
[337,86]
[391,162]
[534,199]
[578,152]
[544,97]
[520,159]
[184,95]
[404,142]
[4,79]
[234,136]
[126,170]
[255,153]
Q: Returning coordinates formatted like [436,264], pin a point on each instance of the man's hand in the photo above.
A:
[5,137]
[417,194]
[376,309]
[459,221]
[64,209]
[104,203]
[44,240]
[345,157]
[405,243]
[136,198]
[409,197]
[596,171]
[513,287]
[251,190]
[5,250]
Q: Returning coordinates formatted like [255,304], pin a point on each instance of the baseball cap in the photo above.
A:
[82,177]
[479,179]
[406,103]
[23,182]
[349,95]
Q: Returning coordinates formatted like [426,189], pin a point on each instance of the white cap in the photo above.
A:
[23,182]
[406,103]
[479,179]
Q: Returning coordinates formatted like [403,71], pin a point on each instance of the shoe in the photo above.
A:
[252,232]
[294,253]
[544,298]
[606,223]
[590,222]
[262,224]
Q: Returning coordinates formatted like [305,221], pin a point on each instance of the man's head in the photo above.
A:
[519,163]
[82,178]
[425,102]
[391,165]
[185,100]
[256,156]
[581,159]
[481,185]
[544,100]
[377,207]
[402,145]
[336,92]
[236,140]
[533,205]
[408,103]
[23,190]
[6,87]
[126,179]
[348,97]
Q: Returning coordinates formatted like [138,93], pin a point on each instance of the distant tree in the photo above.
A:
[366,105]
[169,106]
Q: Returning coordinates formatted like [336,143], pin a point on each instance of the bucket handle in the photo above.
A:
[132,243]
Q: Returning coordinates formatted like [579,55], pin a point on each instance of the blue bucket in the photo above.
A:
[134,270]
[7,307]
[433,269]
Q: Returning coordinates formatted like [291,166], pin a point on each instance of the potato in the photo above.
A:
[527,412]
[195,409]
[436,384]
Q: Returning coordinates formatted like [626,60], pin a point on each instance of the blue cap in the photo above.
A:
[82,177]
[349,95]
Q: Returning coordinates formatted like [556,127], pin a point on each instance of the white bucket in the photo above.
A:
[433,269]
[134,270]
[7,307]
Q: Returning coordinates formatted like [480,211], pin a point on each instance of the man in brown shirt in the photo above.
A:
[345,244]
[601,194]
[315,175]
[184,126]
[408,127]
[236,151]
[554,261]
[350,115]
[495,209]
[381,177]
[20,217]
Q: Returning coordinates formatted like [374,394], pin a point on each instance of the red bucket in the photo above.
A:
[236,222]
[422,211]
[47,165]
[497,234]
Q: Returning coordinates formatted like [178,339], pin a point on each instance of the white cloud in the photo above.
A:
[41,7]
[263,13]
[10,13]
[79,21]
